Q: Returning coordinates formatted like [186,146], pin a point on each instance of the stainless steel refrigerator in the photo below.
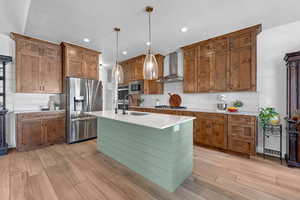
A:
[81,96]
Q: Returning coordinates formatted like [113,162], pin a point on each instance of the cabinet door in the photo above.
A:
[91,62]
[30,134]
[51,70]
[219,132]
[242,71]
[138,67]
[28,60]
[55,130]
[220,65]
[204,68]
[73,62]
[204,131]
[190,71]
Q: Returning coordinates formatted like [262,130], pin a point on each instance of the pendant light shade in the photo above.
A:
[117,72]
[150,69]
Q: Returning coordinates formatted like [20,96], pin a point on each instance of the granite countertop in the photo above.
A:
[249,113]
[36,111]
[152,120]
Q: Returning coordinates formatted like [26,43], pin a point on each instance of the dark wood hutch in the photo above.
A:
[293,105]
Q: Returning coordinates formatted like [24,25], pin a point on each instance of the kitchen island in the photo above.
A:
[156,146]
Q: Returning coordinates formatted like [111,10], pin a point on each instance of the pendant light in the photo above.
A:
[117,72]
[150,69]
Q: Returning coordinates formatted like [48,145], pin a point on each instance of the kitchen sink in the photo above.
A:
[138,113]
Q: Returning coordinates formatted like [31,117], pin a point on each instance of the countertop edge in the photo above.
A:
[246,113]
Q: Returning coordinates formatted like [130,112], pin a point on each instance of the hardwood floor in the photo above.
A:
[79,172]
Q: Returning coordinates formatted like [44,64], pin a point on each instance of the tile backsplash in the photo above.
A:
[203,100]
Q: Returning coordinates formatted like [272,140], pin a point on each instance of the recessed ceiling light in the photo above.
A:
[124,52]
[86,40]
[148,43]
[184,29]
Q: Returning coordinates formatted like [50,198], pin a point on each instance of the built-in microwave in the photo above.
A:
[136,87]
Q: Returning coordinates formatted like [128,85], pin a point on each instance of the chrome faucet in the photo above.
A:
[124,99]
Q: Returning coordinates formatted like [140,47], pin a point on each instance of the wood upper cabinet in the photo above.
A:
[35,130]
[224,63]
[80,62]
[190,70]
[38,65]
[242,71]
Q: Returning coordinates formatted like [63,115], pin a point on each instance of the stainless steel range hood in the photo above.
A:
[173,63]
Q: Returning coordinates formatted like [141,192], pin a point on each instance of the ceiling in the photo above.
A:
[73,20]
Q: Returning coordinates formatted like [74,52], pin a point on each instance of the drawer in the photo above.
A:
[211,116]
[241,119]
[54,114]
[245,132]
[238,145]
[28,116]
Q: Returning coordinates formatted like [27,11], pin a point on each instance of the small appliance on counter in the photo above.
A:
[222,104]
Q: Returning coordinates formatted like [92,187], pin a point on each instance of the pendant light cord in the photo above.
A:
[117,48]
[150,38]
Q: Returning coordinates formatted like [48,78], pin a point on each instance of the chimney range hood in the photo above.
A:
[173,61]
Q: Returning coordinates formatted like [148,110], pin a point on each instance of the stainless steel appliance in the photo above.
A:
[123,92]
[136,87]
[82,95]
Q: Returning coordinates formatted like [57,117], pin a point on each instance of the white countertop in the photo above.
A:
[152,120]
[35,111]
[250,113]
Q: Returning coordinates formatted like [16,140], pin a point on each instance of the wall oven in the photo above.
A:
[123,92]
[136,87]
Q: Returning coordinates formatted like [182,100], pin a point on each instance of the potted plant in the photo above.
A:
[268,116]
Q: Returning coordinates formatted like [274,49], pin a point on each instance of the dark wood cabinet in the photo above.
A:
[230,132]
[222,64]
[35,130]
[38,65]
[80,62]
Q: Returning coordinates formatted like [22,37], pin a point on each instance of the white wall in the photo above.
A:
[273,44]
[17,101]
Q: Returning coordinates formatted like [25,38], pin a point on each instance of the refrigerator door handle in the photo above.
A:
[83,119]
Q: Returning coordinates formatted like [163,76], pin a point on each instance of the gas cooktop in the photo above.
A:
[171,107]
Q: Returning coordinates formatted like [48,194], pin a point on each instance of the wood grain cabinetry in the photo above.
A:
[234,133]
[36,130]
[80,62]
[133,71]
[224,63]
[211,130]
[242,134]
[38,65]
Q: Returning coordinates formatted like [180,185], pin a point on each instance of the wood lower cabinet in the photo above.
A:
[35,130]
[242,134]
[211,130]
[222,64]
[234,133]
[38,65]
[80,62]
